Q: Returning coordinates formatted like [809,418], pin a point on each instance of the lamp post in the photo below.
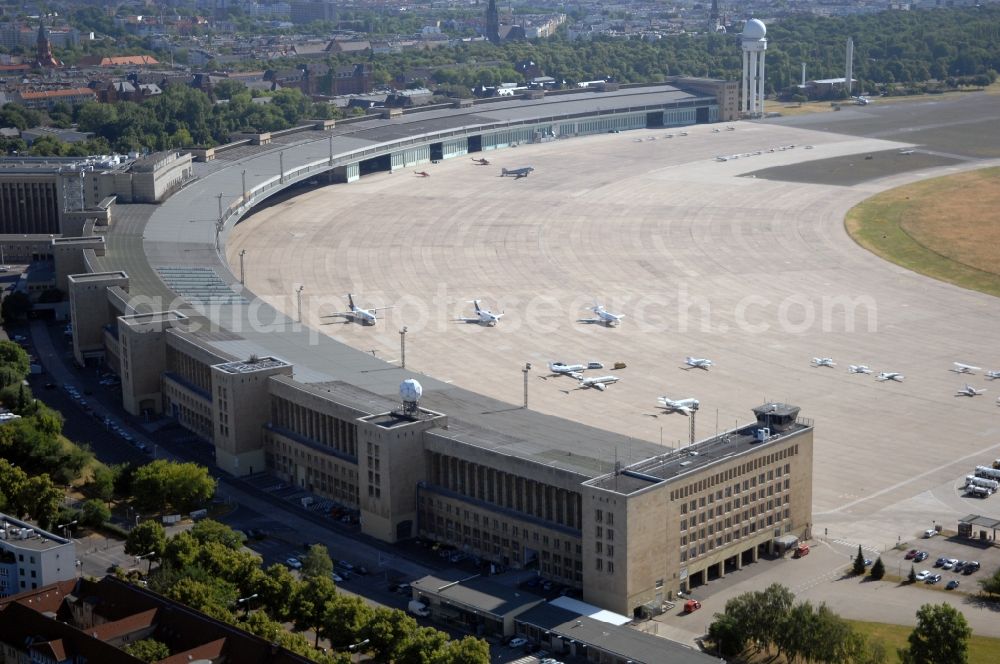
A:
[402,347]
[149,560]
[298,296]
[64,526]
[246,601]
[243,196]
[353,648]
[243,252]
[525,370]
[281,166]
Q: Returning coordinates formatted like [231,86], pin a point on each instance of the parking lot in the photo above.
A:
[824,576]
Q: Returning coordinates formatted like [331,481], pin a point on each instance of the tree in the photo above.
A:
[912,576]
[276,587]
[15,307]
[878,569]
[310,603]
[941,635]
[102,482]
[147,537]
[859,563]
[346,619]
[991,584]
[94,513]
[388,631]
[41,499]
[209,530]
[13,356]
[183,486]
[148,650]
[316,562]
[469,650]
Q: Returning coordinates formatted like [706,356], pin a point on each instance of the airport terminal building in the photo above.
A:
[511,486]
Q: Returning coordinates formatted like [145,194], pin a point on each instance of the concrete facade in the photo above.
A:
[31,558]
[90,310]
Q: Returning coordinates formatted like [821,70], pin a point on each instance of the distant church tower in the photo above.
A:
[493,22]
[754,43]
[43,49]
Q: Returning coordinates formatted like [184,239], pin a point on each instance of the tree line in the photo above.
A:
[208,569]
[771,621]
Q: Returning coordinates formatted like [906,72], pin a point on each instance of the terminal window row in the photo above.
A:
[738,471]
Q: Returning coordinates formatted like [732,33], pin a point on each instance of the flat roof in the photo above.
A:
[694,457]
[475,592]
[251,365]
[97,276]
[984,521]
[629,644]
[180,235]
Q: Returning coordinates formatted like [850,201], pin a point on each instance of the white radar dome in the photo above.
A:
[410,390]
[754,29]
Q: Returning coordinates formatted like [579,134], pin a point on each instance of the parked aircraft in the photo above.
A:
[824,362]
[721,158]
[969,391]
[605,316]
[598,383]
[861,100]
[560,369]
[890,375]
[992,375]
[485,316]
[357,314]
[683,406]
[698,362]
[423,174]
[965,368]
[906,152]
[482,161]
[860,369]
[730,128]
[516,172]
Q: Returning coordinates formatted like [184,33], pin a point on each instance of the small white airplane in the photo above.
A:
[357,314]
[482,161]
[906,152]
[716,131]
[823,362]
[890,375]
[730,128]
[861,100]
[683,406]
[484,316]
[698,362]
[721,158]
[992,375]
[969,391]
[859,369]
[598,383]
[605,316]
[516,172]
[560,369]
[965,368]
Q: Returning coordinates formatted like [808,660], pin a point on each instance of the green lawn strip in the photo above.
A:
[982,649]
[875,224]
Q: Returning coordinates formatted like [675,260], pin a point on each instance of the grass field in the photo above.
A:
[982,649]
[944,228]
[793,109]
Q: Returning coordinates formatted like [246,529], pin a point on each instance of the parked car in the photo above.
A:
[921,556]
[959,565]
[518,642]
[952,584]
[970,567]
[933,578]
[293,563]
[950,563]
[911,553]
[923,574]
[940,561]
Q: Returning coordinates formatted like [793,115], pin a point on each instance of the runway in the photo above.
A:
[734,261]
